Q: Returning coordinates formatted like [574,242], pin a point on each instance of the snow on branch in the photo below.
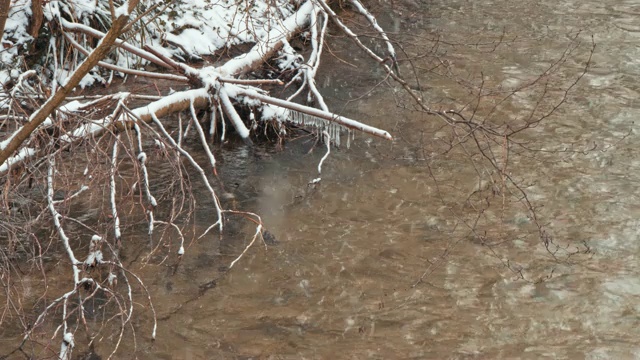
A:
[56,220]
[203,139]
[112,186]
[237,122]
[374,23]
[22,155]
[350,33]
[270,43]
[95,256]
[142,159]
[330,117]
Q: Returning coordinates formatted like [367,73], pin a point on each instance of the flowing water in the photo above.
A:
[404,250]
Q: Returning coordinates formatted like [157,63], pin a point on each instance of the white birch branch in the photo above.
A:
[255,236]
[56,220]
[351,34]
[186,154]
[372,20]
[203,139]
[235,119]
[142,159]
[112,185]
[327,140]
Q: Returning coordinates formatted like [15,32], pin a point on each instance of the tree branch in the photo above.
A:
[103,48]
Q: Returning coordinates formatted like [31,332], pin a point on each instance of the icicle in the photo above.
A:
[321,125]
[213,123]
[224,126]
[186,131]
[179,134]
[150,222]
[252,118]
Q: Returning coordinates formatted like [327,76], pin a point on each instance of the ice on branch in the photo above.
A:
[333,130]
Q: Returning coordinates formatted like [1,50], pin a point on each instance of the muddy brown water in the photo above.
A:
[343,279]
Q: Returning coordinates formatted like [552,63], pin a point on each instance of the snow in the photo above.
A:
[22,154]
[14,38]
[91,79]
[94,258]
[84,9]
[198,27]
[374,23]
[67,346]
[112,185]
[111,278]
[156,106]
[142,157]
[56,220]
[233,115]
[68,338]
[289,59]
[52,10]
[327,141]
[71,106]
[206,27]
[122,10]
[270,112]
